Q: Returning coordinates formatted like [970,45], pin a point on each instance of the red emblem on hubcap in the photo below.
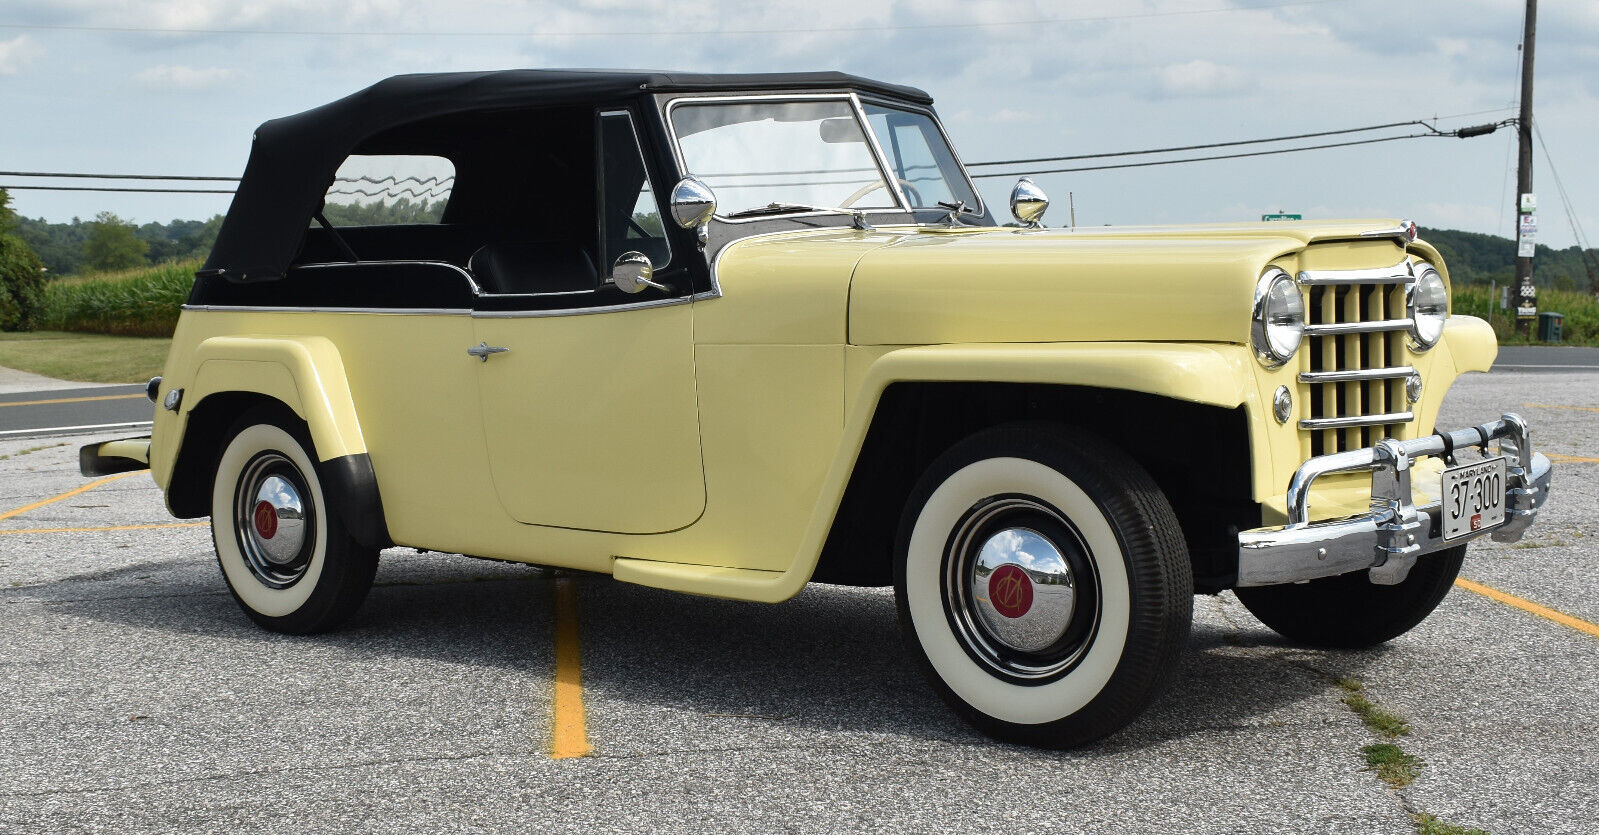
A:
[1010,590]
[266,522]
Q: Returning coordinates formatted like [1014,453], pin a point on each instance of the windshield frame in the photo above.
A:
[902,205]
[954,154]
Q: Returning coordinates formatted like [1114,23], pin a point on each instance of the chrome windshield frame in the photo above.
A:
[982,209]
[902,205]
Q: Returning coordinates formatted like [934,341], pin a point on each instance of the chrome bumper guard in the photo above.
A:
[1388,540]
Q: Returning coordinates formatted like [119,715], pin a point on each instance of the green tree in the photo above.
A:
[112,244]
[21,275]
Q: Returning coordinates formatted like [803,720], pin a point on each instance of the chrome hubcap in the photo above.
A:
[273,521]
[1020,589]
[1024,590]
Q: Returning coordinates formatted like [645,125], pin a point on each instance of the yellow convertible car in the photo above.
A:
[731,334]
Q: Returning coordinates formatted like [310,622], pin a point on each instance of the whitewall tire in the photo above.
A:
[1043,583]
[282,547]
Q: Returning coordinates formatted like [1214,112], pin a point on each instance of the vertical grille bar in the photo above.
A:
[1353,402]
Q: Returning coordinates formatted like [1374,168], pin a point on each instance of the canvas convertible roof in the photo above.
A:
[293,159]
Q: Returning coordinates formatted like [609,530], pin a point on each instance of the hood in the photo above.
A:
[1166,284]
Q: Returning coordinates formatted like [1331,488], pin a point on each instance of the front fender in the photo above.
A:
[1211,373]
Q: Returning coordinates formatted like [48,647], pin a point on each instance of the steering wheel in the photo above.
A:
[910,191]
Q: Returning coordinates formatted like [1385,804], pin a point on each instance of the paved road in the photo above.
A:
[39,412]
[1547,358]
[135,697]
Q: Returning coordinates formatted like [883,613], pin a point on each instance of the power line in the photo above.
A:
[1207,158]
[114,176]
[1193,147]
[134,190]
[672,33]
[1430,132]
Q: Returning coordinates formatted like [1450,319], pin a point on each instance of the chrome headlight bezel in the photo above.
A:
[1427,305]
[1277,326]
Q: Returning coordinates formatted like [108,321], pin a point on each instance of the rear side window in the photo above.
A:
[389,190]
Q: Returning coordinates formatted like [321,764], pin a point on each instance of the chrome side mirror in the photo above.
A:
[693,204]
[1027,203]
[633,271]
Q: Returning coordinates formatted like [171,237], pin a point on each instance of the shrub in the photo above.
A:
[21,275]
[135,303]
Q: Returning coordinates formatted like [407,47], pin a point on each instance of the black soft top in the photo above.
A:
[293,159]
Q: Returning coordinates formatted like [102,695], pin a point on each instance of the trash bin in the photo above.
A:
[1549,326]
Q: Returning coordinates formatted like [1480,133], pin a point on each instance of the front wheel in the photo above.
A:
[1351,612]
[282,546]
[1043,584]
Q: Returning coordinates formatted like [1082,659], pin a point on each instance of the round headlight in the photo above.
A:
[1279,318]
[1429,307]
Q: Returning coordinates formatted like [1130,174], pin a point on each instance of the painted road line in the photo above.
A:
[110,528]
[1528,606]
[67,495]
[67,430]
[73,400]
[1570,459]
[1553,406]
[569,734]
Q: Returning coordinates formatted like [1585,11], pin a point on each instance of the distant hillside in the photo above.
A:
[1477,259]
[1472,258]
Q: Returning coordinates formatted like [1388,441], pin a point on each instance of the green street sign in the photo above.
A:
[1282,216]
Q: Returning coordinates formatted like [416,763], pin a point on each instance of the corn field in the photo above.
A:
[133,303]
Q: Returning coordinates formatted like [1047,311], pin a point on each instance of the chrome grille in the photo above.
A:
[1355,361]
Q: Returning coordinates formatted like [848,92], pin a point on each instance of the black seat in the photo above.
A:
[533,267]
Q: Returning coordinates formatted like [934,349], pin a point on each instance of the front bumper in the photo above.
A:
[1387,540]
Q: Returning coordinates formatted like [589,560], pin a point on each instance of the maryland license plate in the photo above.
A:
[1474,497]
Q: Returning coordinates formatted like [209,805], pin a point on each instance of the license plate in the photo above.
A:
[1474,497]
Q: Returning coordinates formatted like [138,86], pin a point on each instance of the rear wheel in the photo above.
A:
[1351,612]
[280,542]
[1043,584]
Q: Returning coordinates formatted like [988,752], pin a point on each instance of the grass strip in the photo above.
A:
[1392,764]
[85,357]
[1428,825]
[1387,725]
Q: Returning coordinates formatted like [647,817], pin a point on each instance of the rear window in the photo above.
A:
[389,190]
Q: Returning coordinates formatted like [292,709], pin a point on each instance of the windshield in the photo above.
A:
[791,153]
[919,158]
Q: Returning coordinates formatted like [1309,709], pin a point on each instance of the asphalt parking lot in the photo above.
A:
[469,695]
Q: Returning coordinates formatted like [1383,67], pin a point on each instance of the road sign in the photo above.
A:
[1529,202]
[1283,216]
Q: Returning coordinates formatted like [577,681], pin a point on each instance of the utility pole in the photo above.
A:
[1527,203]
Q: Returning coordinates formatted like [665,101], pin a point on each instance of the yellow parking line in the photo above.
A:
[1556,406]
[111,528]
[569,736]
[1528,606]
[74,399]
[1571,459]
[67,495]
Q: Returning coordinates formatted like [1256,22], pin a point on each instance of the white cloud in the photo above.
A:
[1200,77]
[178,76]
[17,53]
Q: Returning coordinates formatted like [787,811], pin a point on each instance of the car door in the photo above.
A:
[590,411]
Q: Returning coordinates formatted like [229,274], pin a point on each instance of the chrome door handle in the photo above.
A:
[483,349]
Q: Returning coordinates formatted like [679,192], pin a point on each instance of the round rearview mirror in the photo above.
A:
[1028,202]
[693,203]
[633,271]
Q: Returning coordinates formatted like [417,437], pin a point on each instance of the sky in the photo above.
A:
[177,86]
